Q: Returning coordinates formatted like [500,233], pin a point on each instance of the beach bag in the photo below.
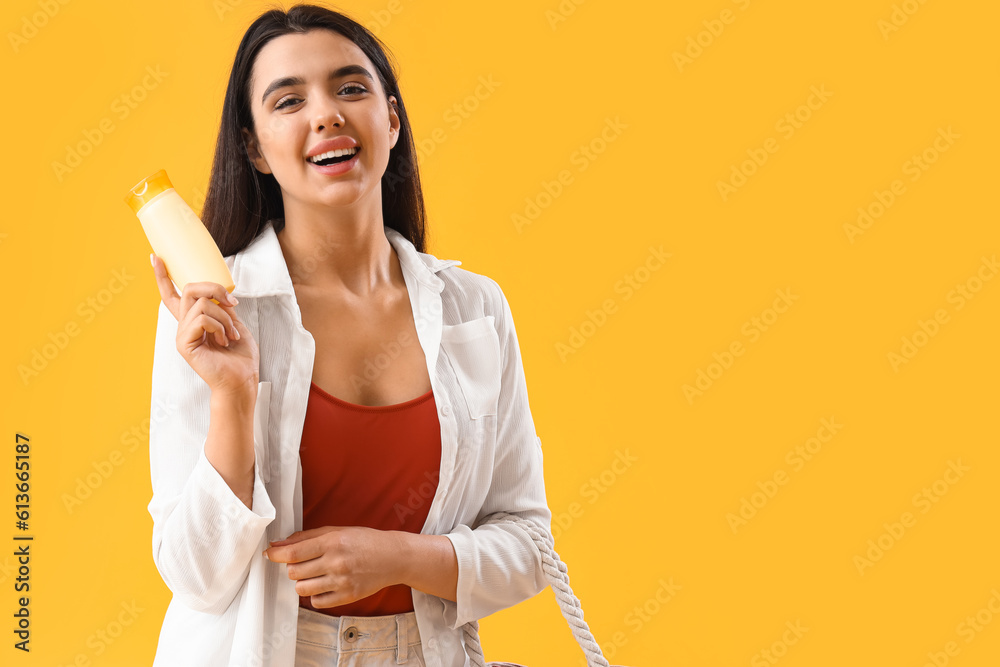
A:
[569,604]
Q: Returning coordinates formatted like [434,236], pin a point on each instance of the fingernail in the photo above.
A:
[236,334]
[232,299]
[264,554]
[151,260]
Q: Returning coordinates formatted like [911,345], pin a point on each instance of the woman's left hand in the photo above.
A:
[337,565]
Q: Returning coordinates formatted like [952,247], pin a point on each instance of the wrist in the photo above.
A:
[427,563]
[240,400]
[402,555]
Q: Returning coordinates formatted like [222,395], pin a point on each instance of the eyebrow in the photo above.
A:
[346,70]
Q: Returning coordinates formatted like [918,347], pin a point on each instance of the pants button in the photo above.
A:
[351,634]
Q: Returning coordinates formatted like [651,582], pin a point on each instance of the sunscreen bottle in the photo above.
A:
[177,235]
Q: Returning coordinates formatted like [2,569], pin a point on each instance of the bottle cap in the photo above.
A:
[146,189]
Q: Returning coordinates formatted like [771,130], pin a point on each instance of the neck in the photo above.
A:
[329,250]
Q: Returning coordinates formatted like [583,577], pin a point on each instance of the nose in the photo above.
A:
[327,112]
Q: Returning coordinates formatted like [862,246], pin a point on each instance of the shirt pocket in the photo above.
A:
[260,425]
[473,348]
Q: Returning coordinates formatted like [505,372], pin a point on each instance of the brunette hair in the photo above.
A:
[240,200]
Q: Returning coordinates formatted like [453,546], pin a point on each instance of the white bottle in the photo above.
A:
[177,235]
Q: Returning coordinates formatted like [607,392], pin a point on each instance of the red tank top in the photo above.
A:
[374,466]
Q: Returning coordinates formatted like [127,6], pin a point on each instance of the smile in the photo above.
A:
[333,157]
[335,162]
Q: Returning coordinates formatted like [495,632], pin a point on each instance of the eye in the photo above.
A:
[350,89]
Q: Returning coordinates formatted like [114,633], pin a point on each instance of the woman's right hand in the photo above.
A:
[210,336]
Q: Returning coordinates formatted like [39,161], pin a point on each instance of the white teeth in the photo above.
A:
[336,153]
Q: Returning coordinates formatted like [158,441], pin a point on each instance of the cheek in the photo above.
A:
[380,145]
[274,132]
[379,128]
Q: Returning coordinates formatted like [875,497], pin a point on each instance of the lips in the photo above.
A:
[336,143]
[337,167]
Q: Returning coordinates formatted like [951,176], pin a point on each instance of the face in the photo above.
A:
[292,119]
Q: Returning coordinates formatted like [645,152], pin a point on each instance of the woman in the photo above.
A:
[326,446]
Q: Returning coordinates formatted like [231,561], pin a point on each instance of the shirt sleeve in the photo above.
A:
[204,536]
[499,564]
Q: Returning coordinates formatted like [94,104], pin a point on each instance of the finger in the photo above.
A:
[168,293]
[314,586]
[300,535]
[176,302]
[327,599]
[225,316]
[197,326]
[194,291]
[295,553]
[308,569]
[215,296]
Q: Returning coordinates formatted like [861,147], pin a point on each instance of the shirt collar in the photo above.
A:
[260,269]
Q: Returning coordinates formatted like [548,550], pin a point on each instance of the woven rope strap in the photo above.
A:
[569,604]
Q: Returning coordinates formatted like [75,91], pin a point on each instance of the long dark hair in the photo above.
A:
[240,200]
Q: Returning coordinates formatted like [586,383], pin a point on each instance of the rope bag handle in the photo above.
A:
[569,604]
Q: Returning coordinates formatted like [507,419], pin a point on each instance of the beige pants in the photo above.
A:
[357,641]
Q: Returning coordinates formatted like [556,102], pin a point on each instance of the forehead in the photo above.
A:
[311,55]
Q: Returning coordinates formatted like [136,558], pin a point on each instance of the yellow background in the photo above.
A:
[564,70]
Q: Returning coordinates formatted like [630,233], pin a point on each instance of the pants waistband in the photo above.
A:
[347,634]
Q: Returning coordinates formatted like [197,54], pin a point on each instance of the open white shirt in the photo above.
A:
[230,605]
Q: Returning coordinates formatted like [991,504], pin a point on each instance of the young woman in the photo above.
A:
[326,446]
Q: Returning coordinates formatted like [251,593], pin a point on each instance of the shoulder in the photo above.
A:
[472,293]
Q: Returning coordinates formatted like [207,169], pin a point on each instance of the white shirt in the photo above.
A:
[230,605]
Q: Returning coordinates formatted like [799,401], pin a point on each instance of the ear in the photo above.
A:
[394,122]
[253,152]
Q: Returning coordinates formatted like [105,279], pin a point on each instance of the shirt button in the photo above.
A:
[351,634]
[432,642]
[446,409]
